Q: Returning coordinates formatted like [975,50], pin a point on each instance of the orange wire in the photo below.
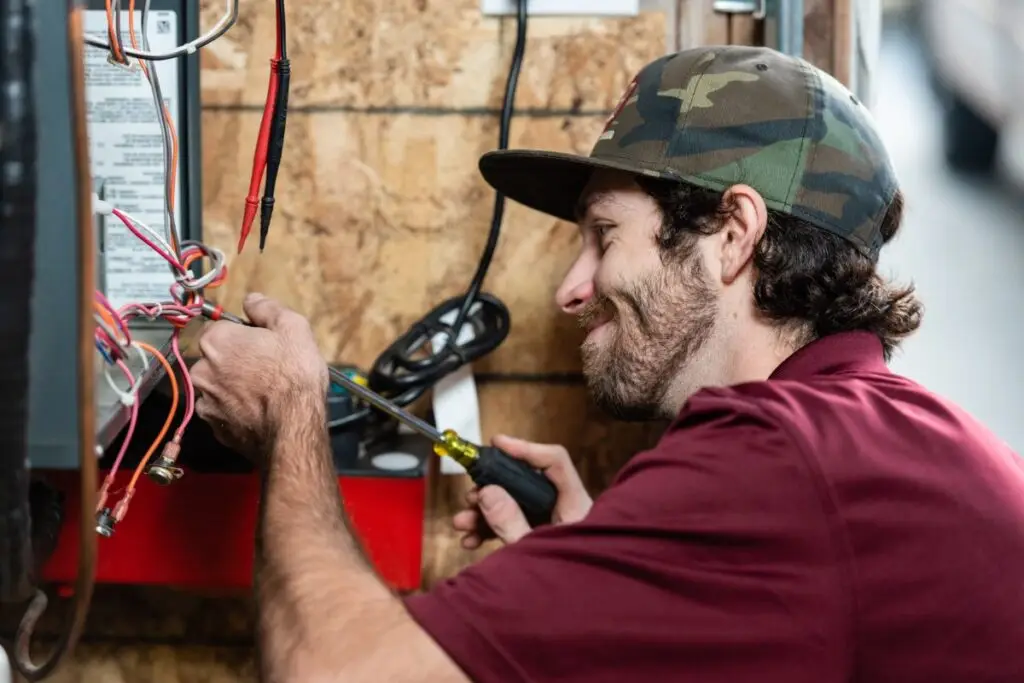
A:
[167,113]
[109,320]
[170,415]
[105,314]
[195,256]
[112,32]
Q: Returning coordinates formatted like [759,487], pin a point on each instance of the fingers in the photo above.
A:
[493,509]
[264,311]
[502,514]
[202,376]
[551,459]
[210,336]
[466,522]
[208,410]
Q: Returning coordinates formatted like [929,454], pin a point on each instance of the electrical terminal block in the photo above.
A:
[105,523]
[127,64]
[164,471]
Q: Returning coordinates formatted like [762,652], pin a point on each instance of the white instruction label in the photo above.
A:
[126,153]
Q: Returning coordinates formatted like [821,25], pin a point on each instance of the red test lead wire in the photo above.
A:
[259,161]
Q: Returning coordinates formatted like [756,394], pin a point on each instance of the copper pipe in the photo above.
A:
[83,236]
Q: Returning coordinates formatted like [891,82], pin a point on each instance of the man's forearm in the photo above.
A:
[303,549]
[322,609]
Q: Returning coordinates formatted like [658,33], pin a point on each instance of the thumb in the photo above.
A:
[261,310]
[502,514]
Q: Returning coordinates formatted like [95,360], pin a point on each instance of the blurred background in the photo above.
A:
[949,97]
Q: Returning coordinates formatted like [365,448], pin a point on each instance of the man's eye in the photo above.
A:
[603,230]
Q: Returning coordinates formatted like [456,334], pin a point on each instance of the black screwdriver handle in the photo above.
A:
[534,492]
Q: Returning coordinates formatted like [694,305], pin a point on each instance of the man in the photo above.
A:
[808,517]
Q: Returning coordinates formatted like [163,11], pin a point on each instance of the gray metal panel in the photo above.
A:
[52,436]
[52,428]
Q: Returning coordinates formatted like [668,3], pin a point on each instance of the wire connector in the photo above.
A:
[101,206]
[211,311]
[163,471]
[105,523]
[121,509]
[127,64]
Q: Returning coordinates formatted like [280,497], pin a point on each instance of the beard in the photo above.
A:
[655,327]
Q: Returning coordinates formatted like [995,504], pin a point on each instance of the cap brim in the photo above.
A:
[549,182]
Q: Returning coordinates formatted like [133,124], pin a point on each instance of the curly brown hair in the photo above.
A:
[810,283]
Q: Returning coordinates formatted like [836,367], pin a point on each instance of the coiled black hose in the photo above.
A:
[17,247]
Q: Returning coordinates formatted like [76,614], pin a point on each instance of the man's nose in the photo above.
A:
[576,289]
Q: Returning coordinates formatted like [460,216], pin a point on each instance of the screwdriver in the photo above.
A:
[486,465]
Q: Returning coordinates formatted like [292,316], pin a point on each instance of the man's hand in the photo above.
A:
[249,376]
[501,511]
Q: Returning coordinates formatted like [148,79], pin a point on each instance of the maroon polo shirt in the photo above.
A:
[835,523]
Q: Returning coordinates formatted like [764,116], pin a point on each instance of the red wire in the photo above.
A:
[259,161]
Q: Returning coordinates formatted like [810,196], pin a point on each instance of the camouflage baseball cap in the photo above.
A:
[721,115]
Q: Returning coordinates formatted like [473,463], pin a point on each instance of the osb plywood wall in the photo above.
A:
[381,212]
[381,215]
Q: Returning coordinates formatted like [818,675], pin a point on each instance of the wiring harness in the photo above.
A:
[127,358]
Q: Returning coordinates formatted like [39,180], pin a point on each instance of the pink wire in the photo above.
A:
[129,310]
[131,422]
[189,389]
[131,226]
[105,303]
[115,348]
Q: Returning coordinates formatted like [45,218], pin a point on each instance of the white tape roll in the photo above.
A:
[455,401]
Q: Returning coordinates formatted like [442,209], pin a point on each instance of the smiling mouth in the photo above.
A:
[597,324]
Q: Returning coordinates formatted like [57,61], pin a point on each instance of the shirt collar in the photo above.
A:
[842,352]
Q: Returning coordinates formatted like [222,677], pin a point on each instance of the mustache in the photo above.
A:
[598,305]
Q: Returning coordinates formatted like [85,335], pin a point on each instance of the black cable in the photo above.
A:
[409,367]
[277,126]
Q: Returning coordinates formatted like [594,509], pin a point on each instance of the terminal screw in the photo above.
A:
[105,523]
[163,471]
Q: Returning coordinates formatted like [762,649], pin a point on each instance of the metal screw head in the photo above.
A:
[105,523]
[164,472]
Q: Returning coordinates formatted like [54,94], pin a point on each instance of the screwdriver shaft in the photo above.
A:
[381,403]
[365,393]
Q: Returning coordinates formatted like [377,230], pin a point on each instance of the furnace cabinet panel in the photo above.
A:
[52,437]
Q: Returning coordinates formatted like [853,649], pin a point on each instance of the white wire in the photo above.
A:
[115,336]
[128,397]
[150,233]
[164,241]
[215,255]
[153,78]
[225,23]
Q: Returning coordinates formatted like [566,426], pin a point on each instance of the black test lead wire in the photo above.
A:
[277,125]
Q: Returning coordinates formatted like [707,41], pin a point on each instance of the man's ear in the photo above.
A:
[745,223]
